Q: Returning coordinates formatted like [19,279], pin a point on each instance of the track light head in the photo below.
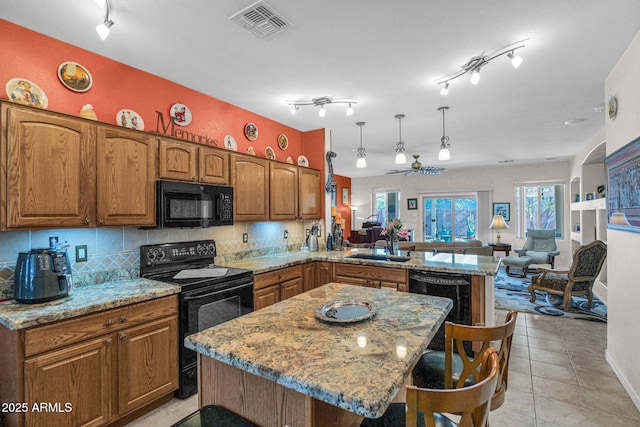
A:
[322,112]
[104,29]
[475,76]
[445,89]
[516,60]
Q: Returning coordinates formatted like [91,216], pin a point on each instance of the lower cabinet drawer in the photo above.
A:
[60,334]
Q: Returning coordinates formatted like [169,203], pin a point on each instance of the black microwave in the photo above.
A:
[186,204]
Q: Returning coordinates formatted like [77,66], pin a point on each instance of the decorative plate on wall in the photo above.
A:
[302,161]
[271,155]
[26,92]
[129,119]
[230,143]
[251,131]
[283,141]
[180,114]
[74,76]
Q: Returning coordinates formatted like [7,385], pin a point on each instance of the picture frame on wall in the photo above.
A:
[503,209]
[623,188]
[412,204]
[345,195]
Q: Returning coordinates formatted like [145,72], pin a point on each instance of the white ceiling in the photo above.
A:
[385,54]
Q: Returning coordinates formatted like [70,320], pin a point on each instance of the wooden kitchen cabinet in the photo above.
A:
[63,171]
[183,161]
[309,193]
[373,277]
[317,273]
[49,161]
[277,285]
[250,180]
[105,365]
[126,175]
[283,191]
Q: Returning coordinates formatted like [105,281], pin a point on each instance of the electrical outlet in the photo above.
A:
[245,237]
[286,234]
[53,240]
[81,253]
[307,232]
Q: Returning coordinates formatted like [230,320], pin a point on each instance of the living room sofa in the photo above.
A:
[472,247]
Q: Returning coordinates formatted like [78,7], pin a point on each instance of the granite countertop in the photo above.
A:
[83,300]
[426,261]
[359,367]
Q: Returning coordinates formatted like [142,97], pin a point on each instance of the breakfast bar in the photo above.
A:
[282,365]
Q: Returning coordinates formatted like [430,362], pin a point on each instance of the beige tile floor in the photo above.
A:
[558,377]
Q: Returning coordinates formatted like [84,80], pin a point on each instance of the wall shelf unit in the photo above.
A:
[588,218]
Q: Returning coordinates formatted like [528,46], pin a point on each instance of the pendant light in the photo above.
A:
[444,153]
[361,162]
[401,158]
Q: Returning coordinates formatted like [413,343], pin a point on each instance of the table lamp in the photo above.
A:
[619,218]
[498,223]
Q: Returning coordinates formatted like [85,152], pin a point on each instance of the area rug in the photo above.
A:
[511,294]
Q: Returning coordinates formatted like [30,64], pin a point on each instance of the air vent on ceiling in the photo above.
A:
[261,19]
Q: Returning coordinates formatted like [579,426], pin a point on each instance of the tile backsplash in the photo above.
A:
[114,252]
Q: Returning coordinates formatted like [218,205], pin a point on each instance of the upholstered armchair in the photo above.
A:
[540,246]
[586,265]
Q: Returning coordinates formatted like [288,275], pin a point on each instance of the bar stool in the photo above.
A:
[446,369]
[212,415]
[425,407]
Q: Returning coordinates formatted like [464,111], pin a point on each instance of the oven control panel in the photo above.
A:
[171,253]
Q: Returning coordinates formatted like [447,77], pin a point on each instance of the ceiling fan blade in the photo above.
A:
[410,172]
[431,170]
[394,171]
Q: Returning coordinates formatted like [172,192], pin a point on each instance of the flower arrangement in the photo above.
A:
[394,231]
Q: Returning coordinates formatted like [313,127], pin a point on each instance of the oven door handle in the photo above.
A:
[217,292]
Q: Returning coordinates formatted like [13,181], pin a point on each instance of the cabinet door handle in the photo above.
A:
[101,221]
[122,319]
[87,221]
[107,342]
[123,337]
[109,322]
[194,179]
[202,179]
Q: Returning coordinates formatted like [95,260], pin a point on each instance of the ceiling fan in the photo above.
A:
[416,167]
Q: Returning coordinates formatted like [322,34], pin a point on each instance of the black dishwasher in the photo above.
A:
[457,287]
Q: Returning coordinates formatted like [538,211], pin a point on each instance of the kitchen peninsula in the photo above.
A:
[355,266]
[283,366]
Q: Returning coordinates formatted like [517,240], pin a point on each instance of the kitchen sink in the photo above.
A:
[377,257]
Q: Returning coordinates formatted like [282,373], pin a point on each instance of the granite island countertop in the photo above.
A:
[359,367]
[83,300]
[426,261]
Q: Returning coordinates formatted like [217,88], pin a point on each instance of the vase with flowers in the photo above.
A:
[394,232]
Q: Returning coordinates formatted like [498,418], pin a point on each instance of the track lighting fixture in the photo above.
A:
[444,153]
[401,158]
[474,65]
[321,102]
[104,29]
[362,161]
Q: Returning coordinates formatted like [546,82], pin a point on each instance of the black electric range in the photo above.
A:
[211,294]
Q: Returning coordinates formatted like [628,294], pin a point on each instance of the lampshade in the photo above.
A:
[619,218]
[361,162]
[401,158]
[444,154]
[498,223]
[475,76]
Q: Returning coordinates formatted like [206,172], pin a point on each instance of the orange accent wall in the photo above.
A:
[344,209]
[33,56]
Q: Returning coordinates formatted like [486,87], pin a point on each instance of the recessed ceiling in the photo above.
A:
[385,54]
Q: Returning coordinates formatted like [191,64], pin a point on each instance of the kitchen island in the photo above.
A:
[282,366]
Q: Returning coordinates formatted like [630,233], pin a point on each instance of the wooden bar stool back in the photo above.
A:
[471,403]
[447,370]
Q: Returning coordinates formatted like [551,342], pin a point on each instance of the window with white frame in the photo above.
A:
[386,206]
[539,206]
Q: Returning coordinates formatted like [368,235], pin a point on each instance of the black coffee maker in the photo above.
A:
[42,275]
